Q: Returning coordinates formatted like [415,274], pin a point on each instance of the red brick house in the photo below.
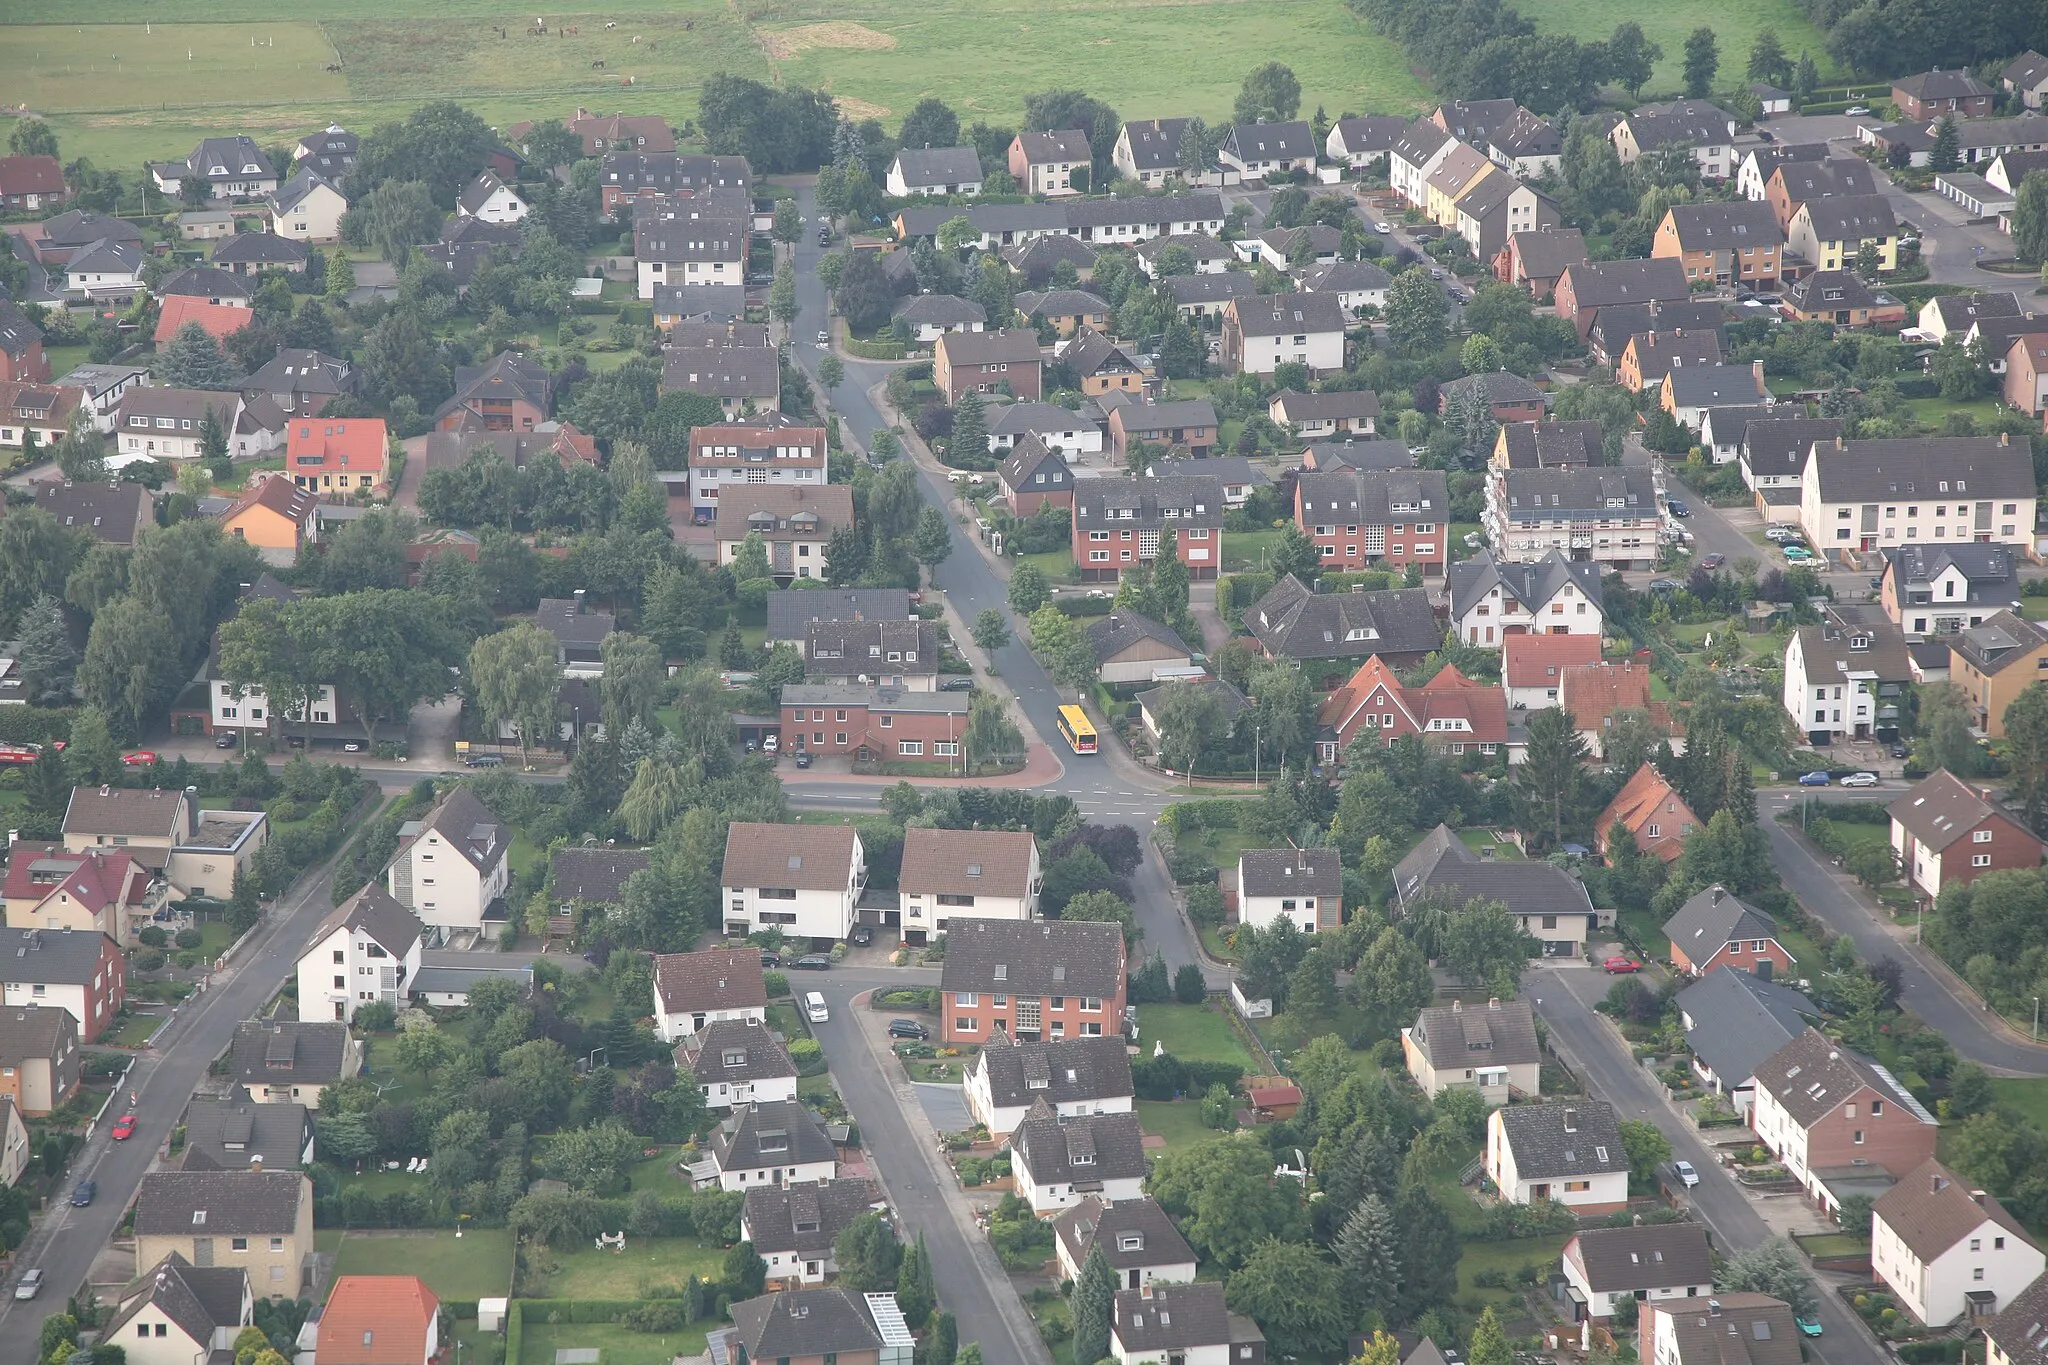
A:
[22,359]
[1648,807]
[2026,372]
[1823,1110]
[1585,288]
[1717,929]
[1032,979]
[1376,519]
[1537,260]
[873,723]
[29,184]
[1119,523]
[985,362]
[1937,94]
[80,971]
[1033,475]
[1510,397]
[1449,712]
[1948,833]
[510,393]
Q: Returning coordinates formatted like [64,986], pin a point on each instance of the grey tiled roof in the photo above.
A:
[595,876]
[1973,466]
[924,166]
[1042,957]
[1062,1071]
[199,1299]
[1713,386]
[734,1050]
[1442,862]
[1195,500]
[1111,635]
[373,910]
[1092,1222]
[776,1133]
[1217,288]
[1780,446]
[1714,918]
[226,1136]
[799,1323]
[1499,1033]
[289,1052]
[938,310]
[1554,1141]
[1500,386]
[2001,640]
[790,611]
[1284,314]
[1369,497]
[1850,217]
[1556,494]
[806,1216]
[1300,624]
[1987,571]
[1736,1020]
[66,957]
[1286,871]
[1086,1149]
[233,1203]
[1941,808]
[1653,1256]
[1602,284]
[1159,1318]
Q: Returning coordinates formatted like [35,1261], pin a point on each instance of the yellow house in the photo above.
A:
[1462,168]
[258,1220]
[1830,232]
[1996,661]
[275,516]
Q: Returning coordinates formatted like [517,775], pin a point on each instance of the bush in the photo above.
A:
[189,939]
[657,1315]
[153,936]
[808,1055]
[148,961]
[1205,904]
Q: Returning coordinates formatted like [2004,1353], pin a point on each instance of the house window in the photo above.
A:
[910,746]
[1980,836]
[1980,860]
[964,1025]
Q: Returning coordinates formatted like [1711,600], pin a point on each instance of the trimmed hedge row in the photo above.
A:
[35,724]
[1162,1078]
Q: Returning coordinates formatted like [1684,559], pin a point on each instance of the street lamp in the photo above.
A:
[2037,1018]
[1255,754]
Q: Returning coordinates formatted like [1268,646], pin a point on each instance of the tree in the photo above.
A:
[1270,94]
[32,137]
[1189,715]
[193,360]
[1805,80]
[744,1273]
[1772,1268]
[341,277]
[1224,1194]
[1293,1293]
[1868,263]
[1093,1305]
[92,757]
[1944,740]
[1548,786]
[831,372]
[1946,154]
[970,428]
[915,1295]
[934,539]
[552,143]
[1429,1252]
[1417,313]
[1632,58]
[865,294]
[1027,593]
[869,1255]
[1767,60]
[1368,1253]
[397,216]
[592,1158]
[1702,60]
[37,555]
[2026,745]
[930,123]
[1647,1149]
[1392,980]
[991,631]
[1102,907]
[2030,218]
[631,685]
[517,675]
[782,304]
[1489,1342]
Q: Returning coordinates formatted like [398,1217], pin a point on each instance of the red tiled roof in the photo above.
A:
[1450,695]
[31,175]
[354,445]
[1539,660]
[1645,797]
[219,320]
[376,1320]
[94,880]
[280,495]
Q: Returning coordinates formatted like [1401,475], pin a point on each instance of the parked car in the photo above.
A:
[803,758]
[124,1128]
[1857,111]
[1383,229]
[1860,780]
[1798,554]
[84,1194]
[1898,751]
[1712,562]
[1687,1176]
[770,744]
[1665,585]
[484,761]
[1677,508]
[769,959]
[140,758]
[908,1028]
[1780,533]
[224,741]
[862,935]
[813,962]
[1621,966]
[1813,779]
[956,684]
[30,1284]
[1808,1325]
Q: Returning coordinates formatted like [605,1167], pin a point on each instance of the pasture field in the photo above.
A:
[1735,23]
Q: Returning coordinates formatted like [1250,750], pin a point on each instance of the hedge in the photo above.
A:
[1084,604]
[1184,817]
[35,724]
[871,350]
[1162,1078]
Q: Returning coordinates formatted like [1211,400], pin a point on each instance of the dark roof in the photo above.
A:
[2001,640]
[1828,290]
[1601,284]
[1526,134]
[1232,700]
[220,1203]
[795,1323]
[921,166]
[1658,353]
[261,248]
[1735,1020]
[17,333]
[1780,446]
[228,1136]
[1066,144]
[1500,1033]
[1850,217]
[1040,957]
[1552,445]
[1300,624]
[1328,406]
[1500,386]
[29,1032]
[1812,1075]
[1217,288]
[1615,323]
[236,155]
[1056,303]
[1958,311]
[806,1216]
[1692,121]
[1284,871]
[1712,919]
[991,219]
[1063,1071]
[790,611]
[1419,141]
[1653,1256]
[1028,455]
[1142,419]
[472,827]
[1111,635]
[734,1050]
[1442,862]
[1234,470]
[2018,1327]
[701,302]
[574,624]
[938,310]
[774,1133]
[1726,227]
[297,188]
[670,172]
[1008,346]
[1711,386]
[199,1299]
[1833,653]
[1553,1141]
[728,372]
[204,282]
[302,371]
[715,979]
[1804,180]
[376,913]
[1373,133]
[967,862]
[1270,141]
[1732,1329]
[1285,314]
[1170,1317]
[115,513]
[1554,494]
[1547,251]
[479,191]
[1166,502]
[79,227]
[595,876]
[1987,571]
[1154,142]
[1351,453]
[1091,1223]
[1941,85]
[67,957]
[507,376]
[129,811]
[1872,471]
[289,1052]
[850,649]
[1941,808]
[1085,1149]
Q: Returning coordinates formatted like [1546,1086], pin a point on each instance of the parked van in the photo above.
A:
[814,1008]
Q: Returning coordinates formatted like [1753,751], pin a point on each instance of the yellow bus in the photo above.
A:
[1076,730]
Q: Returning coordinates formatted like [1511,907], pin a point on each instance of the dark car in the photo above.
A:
[813,962]
[861,936]
[1898,751]
[484,761]
[908,1028]
[956,684]
[1677,509]
[224,741]
[1712,562]
[771,959]
[803,758]
[83,1195]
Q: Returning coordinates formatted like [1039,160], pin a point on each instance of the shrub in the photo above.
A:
[1205,904]
[656,1315]
[153,936]
[149,961]
[808,1055]
[776,983]
[189,939]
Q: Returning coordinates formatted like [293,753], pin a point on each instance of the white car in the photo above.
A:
[1860,780]
[1687,1176]
[770,744]
[1856,111]
[1383,229]
[30,1285]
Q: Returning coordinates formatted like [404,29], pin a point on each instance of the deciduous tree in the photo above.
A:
[518,680]
[1702,60]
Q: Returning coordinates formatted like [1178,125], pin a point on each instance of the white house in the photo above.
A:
[1305,885]
[1568,1153]
[953,874]
[1492,1050]
[1608,1266]
[1547,594]
[1947,1249]
[176,1313]
[718,985]
[802,879]
[1141,1243]
[1872,495]
[773,1143]
[934,170]
[1073,1075]
[1415,157]
[104,265]
[1273,150]
[1835,678]
[1057,1164]
[1182,1324]
[170,424]
[737,1061]
[307,208]
[367,949]
[1532,667]
[453,868]
[1265,331]
[1697,1331]
[490,200]
[794,1227]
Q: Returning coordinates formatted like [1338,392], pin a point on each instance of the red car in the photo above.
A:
[140,758]
[124,1128]
[1622,966]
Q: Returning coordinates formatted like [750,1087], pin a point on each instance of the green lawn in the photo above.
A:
[1192,1033]
[1178,1121]
[1056,565]
[475,1265]
[1480,840]
[1290,1031]
[540,1340]
[2028,1095]
[1836,1244]
[133,1031]
[1242,549]
[1507,1257]
[647,1264]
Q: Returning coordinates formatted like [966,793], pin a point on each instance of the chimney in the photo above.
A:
[1713,1308]
[1977,1197]
[1457,1007]
[1841,444]
[256,1163]
[2005,438]
[1493,1002]
[1756,367]
[1935,1182]
[1571,1120]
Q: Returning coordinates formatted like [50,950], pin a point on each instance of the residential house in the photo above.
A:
[1121,522]
[646,133]
[329,152]
[585,879]
[717,304]
[36,410]
[205,225]
[80,971]
[1137,1238]
[1654,814]
[1491,1049]
[2027,76]
[252,253]
[227,168]
[1754,1329]
[1830,233]
[338,456]
[453,868]
[1797,182]
[1325,632]
[276,517]
[307,208]
[1031,980]
[1310,416]
[490,200]
[950,874]
[1536,258]
[1074,1076]
[238,1134]
[791,611]
[30,184]
[1734,1021]
[1206,255]
[626,177]
[1100,364]
[1716,928]
[365,951]
[752,453]
[1526,146]
[1841,297]
[101,387]
[2026,372]
[934,170]
[1844,682]
[1857,495]
[795,521]
[737,1061]
[1757,164]
[1942,589]
[897,654]
[1207,296]
[1005,360]
[1067,310]
[1376,519]
[39,1057]
[175,1312]
[1508,397]
[1548,445]
[803,879]
[1227,696]
[1689,392]
[1415,156]
[1532,666]
[1821,1109]
[1948,1250]
[1032,475]
[691,251]
[1130,648]
[1059,1161]
[1045,163]
[817,1327]
[1707,130]
[1770,100]
[744,379]
[695,990]
[106,267]
[260,1222]
[1270,150]
[1498,207]
[1959,313]
[1551,905]
[867,723]
[291,1061]
[1302,885]
[1595,693]
[1148,151]
[1352,453]
[775,1142]
[206,283]
[1937,94]
[218,320]
[22,358]
[507,393]
[1461,169]
[1943,820]
[1774,455]
[1609,1266]
[166,834]
[170,424]
[1614,325]
[1036,259]
[55,240]
[1355,284]
[1650,356]
[1586,288]
[794,1227]
[1186,424]
[1570,1154]
[302,382]
[1282,248]
[378,1320]
[1736,245]
[1605,515]
[1182,1324]
[1449,713]
[1265,331]
[928,317]
[1067,432]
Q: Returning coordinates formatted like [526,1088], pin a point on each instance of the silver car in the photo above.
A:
[1687,1176]
[30,1285]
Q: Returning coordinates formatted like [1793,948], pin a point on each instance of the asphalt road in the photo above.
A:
[66,1242]
[1565,997]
